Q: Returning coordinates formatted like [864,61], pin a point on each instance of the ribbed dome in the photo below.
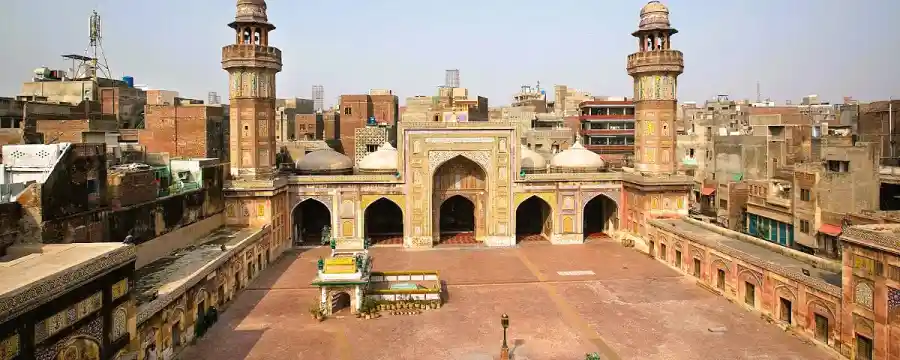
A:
[577,158]
[383,159]
[532,160]
[324,161]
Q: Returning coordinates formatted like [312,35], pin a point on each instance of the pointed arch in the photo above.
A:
[383,221]
[311,219]
[599,215]
[534,219]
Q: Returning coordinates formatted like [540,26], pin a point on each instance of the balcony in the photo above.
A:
[585,117]
[607,132]
[610,148]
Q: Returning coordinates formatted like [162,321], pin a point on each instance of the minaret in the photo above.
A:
[655,68]
[252,64]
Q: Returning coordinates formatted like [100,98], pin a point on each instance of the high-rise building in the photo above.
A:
[318,95]
[252,64]
[655,69]
[451,78]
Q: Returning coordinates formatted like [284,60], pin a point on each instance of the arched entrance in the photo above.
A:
[533,220]
[384,222]
[459,189]
[339,301]
[600,217]
[457,215]
[310,219]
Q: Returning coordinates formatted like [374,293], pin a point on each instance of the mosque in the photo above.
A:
[451,182]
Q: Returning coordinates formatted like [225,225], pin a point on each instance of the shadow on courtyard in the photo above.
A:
[242,338]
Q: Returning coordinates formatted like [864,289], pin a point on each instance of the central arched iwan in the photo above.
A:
[459,186]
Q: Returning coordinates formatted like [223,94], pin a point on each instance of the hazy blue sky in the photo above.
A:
[792,47]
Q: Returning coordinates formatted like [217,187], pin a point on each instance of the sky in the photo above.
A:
[791,48]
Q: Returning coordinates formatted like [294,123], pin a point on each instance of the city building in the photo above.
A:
[607,128]
[185,128]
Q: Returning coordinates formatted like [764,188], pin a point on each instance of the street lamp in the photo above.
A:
[504,350]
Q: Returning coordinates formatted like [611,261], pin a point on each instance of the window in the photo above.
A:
[838,166]
[720,279]
[662,251]
[348,111]
[804,194]
[821,328]
[749,294]
[691,153]
[723,204]
[804,226]
[864,350]
[785,310]
[371,148]
[696,267]
[869,265]
[678,259]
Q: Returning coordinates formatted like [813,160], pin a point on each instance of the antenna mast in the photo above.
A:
[98,62]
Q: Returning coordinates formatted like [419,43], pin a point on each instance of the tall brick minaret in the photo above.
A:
[655,69]
[252,64]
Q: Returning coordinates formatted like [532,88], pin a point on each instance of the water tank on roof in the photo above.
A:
[128,80]
[42,72]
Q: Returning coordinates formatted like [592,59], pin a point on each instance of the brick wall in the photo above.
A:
[57,131]
[183,131]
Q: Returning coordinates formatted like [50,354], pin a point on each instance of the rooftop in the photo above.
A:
[783,265]
[881,236]
[36,273]
[168,273]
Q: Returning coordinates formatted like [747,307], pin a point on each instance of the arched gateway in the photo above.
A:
[459,188]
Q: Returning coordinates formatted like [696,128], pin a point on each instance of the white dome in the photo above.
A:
[324,160]
[531,159]
[577,157]
[383,159]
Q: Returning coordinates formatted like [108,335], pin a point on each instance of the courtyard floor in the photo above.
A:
[562,301]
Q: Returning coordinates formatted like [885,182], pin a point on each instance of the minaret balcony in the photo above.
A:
[250,55]
[655,61]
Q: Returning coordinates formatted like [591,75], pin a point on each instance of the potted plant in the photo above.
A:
[316,311]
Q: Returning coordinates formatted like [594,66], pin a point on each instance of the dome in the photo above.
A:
[384,159]
[324,161]
[577,158]
[252,11]
[531,159]
[654,16]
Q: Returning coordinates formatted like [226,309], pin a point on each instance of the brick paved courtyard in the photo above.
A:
[630,308]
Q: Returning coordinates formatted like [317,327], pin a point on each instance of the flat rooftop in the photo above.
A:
[169,272]
[29,264]
[708,237]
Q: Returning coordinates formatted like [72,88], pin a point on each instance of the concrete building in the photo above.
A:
[105,96]
[607,128]
[566,100]
[844,182]
[286,111]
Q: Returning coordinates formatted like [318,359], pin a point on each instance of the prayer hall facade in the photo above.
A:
[451,182]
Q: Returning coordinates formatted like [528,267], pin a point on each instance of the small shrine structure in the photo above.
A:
[343,279]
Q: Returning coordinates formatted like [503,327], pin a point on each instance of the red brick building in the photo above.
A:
[192,130]
[355,112]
